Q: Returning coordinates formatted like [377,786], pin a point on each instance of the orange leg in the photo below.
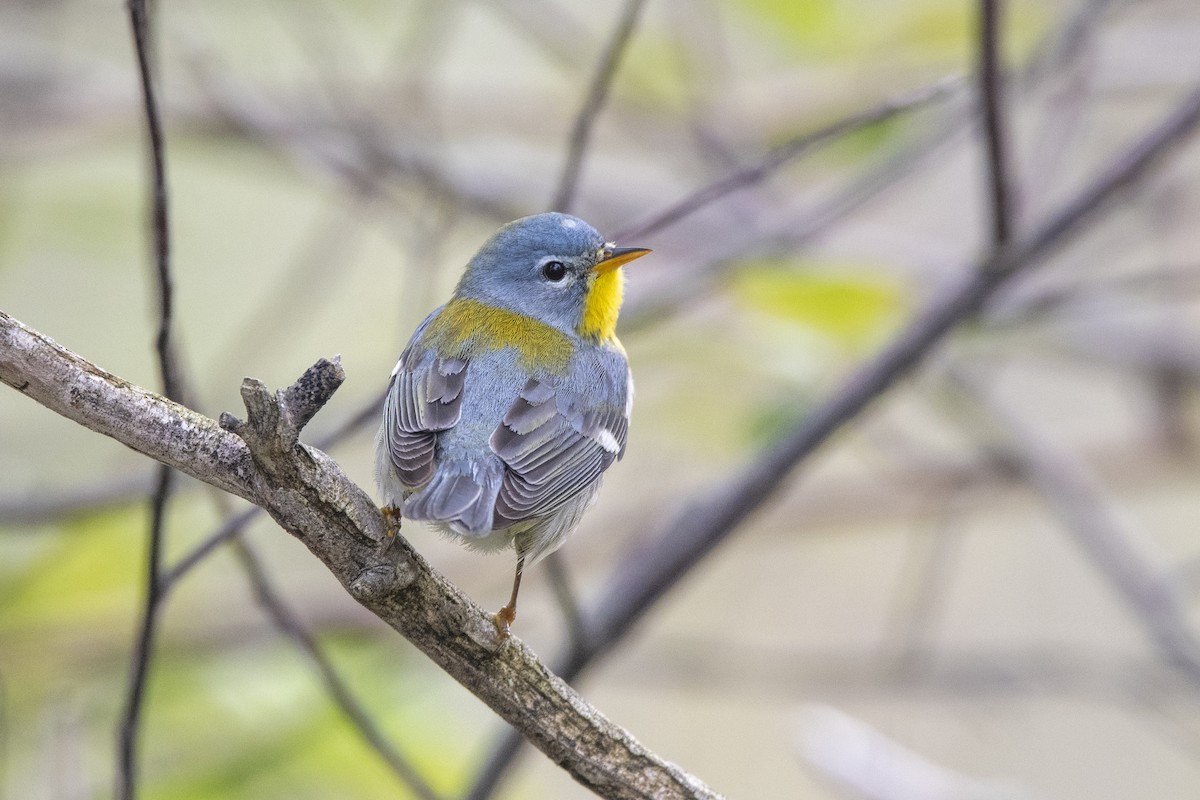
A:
[506,616]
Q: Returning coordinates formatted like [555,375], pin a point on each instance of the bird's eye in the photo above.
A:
[554,271]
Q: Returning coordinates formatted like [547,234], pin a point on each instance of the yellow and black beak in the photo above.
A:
[616,257]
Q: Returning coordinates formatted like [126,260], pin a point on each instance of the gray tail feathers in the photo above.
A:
[462,495]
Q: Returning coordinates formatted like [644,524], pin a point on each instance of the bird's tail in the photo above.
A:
[462,496]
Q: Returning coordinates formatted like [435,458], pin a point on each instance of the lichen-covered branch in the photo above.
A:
[304,490]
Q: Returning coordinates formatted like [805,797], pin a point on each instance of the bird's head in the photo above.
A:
[554,268]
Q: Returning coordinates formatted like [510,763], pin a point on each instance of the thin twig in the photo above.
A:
[500,759]
[548,24]
[781,155]
[1074,496]
[639,314]
[567,599]
[699,663]
[226,532]
[364,166]
[129,726]
[233,526]
[602,80]
[288,623]
[926,575]
[991,108]
[647,573]
[49,505]
[705,276]
[160,220]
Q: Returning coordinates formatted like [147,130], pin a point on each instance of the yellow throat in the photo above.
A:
[601,307]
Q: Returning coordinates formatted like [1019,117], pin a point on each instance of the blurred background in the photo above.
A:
[983,588]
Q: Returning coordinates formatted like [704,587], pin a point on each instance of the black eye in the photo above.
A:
[554,271]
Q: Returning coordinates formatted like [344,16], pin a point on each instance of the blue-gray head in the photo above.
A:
[555,268]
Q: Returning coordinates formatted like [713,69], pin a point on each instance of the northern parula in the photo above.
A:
[513,398]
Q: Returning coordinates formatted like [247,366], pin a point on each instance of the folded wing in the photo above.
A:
[423,399]
[554,446]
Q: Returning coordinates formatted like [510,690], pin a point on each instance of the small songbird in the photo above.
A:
[512,399]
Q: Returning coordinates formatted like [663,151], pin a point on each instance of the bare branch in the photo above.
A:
[129,725]
[233,526]
[873,765]
[1077,500]
[645,575]
[1093,675]
[991,109]
[306,493]
[776,158]
[361,161]
[160,221]
[649,571]
[48,505]
[339,692]
[547,24]
[581,131]
[566,597]
[277,610]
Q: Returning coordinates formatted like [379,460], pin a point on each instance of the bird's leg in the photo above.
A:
[507,615]
[391,527]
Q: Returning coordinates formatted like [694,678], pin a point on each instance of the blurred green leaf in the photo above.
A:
[927,31]
[852,310]
[254,722]
[652,74]
[814,24]
[83,577]
[867,141]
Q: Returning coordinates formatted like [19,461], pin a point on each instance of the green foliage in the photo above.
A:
[232,709]
[811,317]
[812,25]
[926,31]
[253,721]
[871,140]
[84,577]
[850,309]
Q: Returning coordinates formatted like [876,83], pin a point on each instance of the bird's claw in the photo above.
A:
[503,621]
[391,528]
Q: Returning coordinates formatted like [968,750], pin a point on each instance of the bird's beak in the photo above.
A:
[616,257]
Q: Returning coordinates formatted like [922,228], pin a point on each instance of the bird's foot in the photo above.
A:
[503,621]
[391,528]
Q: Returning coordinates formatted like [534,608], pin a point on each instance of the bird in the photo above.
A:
[511,400]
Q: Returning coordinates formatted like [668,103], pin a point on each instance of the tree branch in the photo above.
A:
[291,626]
[581,131]
[646,574]
[129,726]
[306,492]
[51,505]
[640,579]
[777,157]
[991,109]
[1130,565]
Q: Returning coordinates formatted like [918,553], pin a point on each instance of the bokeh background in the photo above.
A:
[938,605]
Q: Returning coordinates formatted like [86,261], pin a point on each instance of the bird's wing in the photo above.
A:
[423,398]
[554,445]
